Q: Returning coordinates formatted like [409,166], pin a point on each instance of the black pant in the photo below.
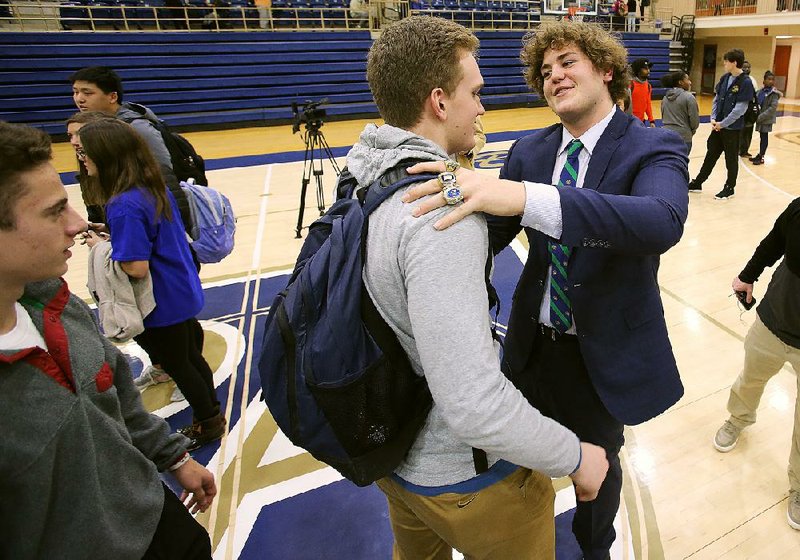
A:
[763,144]
[556,382]
[723,141]
[178,535]
[745,138]
[179,349]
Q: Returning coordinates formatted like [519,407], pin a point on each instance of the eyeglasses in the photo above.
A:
[81,153]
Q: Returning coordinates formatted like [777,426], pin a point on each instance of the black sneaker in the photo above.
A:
[695,187]
[757,160]
[726,192]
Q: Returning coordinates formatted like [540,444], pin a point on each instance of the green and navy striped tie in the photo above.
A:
[560,309]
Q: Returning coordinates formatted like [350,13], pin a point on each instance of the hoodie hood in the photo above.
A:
[127,112]
[380,149]
[674,93]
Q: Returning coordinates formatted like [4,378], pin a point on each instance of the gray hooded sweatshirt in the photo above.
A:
[679,112]
[430,288]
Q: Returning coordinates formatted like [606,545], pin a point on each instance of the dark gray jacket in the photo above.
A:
[79,454]
[768,110]
[679,112]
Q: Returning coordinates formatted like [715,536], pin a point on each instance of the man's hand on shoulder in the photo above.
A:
[482,193]
[591,473]
[198,485]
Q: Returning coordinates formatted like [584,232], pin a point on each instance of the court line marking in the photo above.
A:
[220,466]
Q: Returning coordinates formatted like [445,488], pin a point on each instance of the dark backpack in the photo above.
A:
[186,162]
[334,376]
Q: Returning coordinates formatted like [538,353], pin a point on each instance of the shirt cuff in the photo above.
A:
[542,209]
[580,460]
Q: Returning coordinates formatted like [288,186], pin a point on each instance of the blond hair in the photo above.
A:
[410,59]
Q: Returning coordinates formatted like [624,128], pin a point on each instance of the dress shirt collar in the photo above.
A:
[591,137]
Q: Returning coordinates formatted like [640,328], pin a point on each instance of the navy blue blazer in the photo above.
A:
[631,209]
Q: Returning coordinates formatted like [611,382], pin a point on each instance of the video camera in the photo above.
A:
[309,113]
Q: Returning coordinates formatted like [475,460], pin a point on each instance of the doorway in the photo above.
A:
[781,65]
[708,78]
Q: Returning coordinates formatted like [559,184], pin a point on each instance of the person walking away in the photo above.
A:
[679,110]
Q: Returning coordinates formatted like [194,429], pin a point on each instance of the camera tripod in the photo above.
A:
[316,146]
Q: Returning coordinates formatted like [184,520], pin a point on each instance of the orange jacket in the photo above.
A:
[641,100]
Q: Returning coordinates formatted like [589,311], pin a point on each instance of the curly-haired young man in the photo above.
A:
[600,198]
[430,288]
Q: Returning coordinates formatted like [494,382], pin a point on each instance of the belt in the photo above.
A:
[554,335]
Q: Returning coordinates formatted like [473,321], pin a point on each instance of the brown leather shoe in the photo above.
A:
[206,431]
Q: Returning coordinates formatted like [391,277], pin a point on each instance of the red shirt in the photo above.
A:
[641,102]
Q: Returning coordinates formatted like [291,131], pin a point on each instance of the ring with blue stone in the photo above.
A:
[450,189]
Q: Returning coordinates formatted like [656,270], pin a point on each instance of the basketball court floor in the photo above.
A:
[681,499]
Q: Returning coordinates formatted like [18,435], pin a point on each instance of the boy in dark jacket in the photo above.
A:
[768,98]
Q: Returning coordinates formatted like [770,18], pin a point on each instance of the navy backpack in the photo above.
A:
[334,376]
[333,373]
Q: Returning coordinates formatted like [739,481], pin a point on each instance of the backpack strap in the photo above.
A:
[140,110]
[378,191]
[371,198]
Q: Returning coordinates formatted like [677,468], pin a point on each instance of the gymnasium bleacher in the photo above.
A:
[207,79]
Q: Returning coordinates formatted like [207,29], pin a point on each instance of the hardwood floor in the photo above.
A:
[684,499]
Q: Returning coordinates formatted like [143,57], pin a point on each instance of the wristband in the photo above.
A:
[180,462]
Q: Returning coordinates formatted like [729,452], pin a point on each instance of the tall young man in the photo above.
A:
[98,88]
[80,456]
[732,95]
[587,340]
[430,288]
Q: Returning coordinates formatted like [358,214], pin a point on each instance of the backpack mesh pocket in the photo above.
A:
[392,402]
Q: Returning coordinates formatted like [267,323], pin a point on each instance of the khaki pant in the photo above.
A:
[764,356]
[511,519]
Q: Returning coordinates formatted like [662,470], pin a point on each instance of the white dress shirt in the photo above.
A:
[543,204]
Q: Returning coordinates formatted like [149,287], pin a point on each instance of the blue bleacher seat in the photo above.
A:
[335,15]
[73,14]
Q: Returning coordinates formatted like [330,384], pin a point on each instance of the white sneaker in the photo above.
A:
[150,376]
[177,396]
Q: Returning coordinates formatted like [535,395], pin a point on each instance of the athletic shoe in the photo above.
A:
[793,510]
[727,437]
[695,187]
[726,192]
[177,396]
[757,161]
[150,376]
[206,431]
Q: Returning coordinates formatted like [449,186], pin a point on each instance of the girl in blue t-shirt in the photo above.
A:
[147,237]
